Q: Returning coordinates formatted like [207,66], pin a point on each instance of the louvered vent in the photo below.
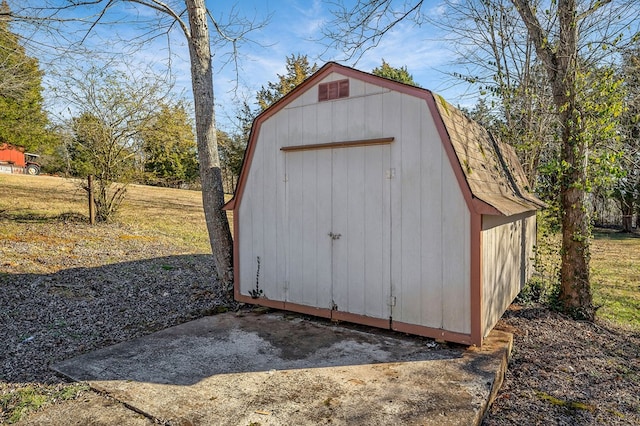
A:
[333,90]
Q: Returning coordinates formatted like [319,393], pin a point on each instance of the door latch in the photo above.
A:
[334,236]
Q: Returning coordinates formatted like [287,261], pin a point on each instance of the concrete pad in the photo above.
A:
[280,369]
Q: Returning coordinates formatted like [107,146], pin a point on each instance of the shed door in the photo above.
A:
[338,202]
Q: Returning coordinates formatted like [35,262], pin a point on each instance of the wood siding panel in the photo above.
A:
[269,216]
[353,235]
[357,88]
[324,226]
[309,182]
[357,118]
[531,232]
[281,126]
[309,125]
[340,119]
[324,113]
[295,195]
[376,232]
[432,160]
[507,258]
[296,129]
[392,125]
[360,268]
[373,115]
[257,224]
[430,228]
[245,236]
[410,213]
[456,255]
[360,116]
[309,234]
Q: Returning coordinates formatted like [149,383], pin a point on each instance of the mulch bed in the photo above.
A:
[566,372]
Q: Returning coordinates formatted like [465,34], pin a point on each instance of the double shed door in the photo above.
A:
[339,223]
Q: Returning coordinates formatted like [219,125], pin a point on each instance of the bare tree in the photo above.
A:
[494,54]
[192,18]
[112,108]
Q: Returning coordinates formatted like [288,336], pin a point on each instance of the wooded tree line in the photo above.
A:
[558,80]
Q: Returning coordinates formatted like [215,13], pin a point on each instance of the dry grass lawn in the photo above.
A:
[151,212]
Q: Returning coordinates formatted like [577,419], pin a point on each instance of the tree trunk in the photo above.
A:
[626,205]
[561,64]
[210,173]
[575,291]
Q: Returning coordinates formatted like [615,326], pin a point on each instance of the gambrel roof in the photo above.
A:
[491,168]
[487,170]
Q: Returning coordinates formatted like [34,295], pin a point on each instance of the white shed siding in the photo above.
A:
[430,223]
[309,219]
[427,241]
[507,259]
[361,206]
[262,222]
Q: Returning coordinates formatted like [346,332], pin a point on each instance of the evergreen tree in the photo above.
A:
[22,119]
[398,74]
[169,147]
[298,69]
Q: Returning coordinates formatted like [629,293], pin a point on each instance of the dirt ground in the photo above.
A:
[67,288]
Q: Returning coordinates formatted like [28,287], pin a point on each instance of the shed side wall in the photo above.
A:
[507,262]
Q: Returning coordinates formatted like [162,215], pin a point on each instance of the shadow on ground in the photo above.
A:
[46,318]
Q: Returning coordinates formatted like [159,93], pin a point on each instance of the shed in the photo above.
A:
[366,200]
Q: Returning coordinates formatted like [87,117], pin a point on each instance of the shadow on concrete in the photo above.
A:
[244,343]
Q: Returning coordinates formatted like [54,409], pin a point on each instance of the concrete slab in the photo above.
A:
[281,369]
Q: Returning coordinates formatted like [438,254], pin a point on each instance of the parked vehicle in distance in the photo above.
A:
[13,159]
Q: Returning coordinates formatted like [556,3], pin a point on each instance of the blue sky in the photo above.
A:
[294,27]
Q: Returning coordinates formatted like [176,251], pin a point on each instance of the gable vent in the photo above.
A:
[333,90]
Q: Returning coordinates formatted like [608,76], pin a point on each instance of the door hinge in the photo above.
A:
[286,178]
[392,301]
[390,173]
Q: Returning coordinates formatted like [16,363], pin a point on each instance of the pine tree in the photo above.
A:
[169,146]
[398,74]
[298,69]
[22,118]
